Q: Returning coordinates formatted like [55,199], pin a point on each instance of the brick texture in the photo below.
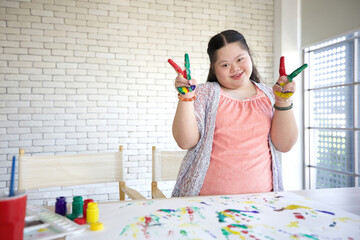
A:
[88,76]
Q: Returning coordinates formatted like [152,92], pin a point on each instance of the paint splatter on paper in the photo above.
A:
[180,222]
[253,216]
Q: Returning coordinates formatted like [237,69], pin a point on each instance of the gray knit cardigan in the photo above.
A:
[196,162]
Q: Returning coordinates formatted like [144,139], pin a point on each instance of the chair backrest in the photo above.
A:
[66,170]
[166,164]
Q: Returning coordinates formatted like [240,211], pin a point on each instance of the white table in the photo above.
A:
[347,199]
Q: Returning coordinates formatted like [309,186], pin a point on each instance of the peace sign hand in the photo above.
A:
[285,87]
[182,86]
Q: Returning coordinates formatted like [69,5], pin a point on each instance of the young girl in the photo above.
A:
[230,127]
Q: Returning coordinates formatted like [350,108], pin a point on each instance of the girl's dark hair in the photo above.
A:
[220,40]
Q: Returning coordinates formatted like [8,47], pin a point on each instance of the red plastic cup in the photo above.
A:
[12,216]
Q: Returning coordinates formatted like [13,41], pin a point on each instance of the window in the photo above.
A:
[331,113]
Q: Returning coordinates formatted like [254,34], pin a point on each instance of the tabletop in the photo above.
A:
[306,214]
[347,199]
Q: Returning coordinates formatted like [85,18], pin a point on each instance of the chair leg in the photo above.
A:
[155,191]
[121,192]
[130,192]
[153,188]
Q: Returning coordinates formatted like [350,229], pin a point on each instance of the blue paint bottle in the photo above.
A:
[60,206]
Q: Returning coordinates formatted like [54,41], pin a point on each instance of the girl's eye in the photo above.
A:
[240,59]
[225,65]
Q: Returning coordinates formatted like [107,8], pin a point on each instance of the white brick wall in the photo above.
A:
[87,76]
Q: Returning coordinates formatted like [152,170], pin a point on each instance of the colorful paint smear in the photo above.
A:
[268,216]
[184,219]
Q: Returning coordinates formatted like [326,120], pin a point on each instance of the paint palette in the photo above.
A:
[43,224]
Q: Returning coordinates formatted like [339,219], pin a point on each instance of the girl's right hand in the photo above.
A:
[180,81]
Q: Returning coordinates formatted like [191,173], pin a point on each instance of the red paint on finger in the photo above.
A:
[282,70]
[175,66]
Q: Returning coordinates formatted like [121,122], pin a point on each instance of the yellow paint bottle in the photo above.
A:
[92,213]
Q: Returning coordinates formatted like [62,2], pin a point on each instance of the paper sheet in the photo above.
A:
[280,215]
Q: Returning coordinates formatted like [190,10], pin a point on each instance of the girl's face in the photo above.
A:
[233,66]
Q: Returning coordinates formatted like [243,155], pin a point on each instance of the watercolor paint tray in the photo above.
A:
[44,224]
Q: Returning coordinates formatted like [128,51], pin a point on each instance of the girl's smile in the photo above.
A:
[237,76]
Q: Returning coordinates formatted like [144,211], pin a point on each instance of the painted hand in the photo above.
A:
[182,86]
[285,87]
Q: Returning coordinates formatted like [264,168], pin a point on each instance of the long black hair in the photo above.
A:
[220,40]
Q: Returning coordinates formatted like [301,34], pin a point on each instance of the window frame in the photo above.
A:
[308,128]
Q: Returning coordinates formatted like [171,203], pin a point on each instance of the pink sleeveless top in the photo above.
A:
[240,158]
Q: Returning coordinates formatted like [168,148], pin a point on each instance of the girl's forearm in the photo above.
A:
[185,128]
[284,132]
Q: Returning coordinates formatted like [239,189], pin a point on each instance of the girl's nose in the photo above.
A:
[234,67]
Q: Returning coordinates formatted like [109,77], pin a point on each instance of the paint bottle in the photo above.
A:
[60,206]
[92,213]
[86,202]
[77,206]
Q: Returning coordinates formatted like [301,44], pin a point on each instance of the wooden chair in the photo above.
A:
[165,167]
[75,169]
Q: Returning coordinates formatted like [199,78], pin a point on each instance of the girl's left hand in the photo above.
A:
[283,89]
